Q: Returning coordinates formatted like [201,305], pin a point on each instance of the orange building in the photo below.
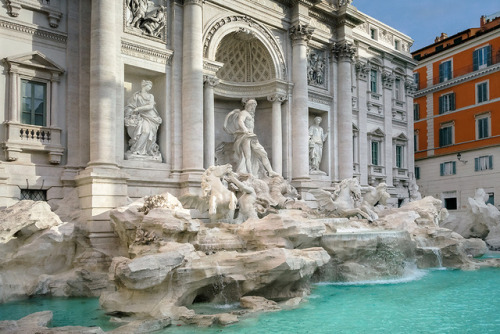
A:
[457,115]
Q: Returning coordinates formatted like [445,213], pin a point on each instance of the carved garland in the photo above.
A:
[250,23]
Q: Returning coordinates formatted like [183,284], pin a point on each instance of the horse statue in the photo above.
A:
[216,197]
[342,202]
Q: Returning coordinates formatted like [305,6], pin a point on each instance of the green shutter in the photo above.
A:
[476,164]
[488,55]
[491,161]
[475,60]
[441,169]
[454,163]
[452,101]
[441,72]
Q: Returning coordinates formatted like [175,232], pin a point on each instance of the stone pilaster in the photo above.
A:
[277,133]
[300,34]
[209,120]
[388,83]
[13,110]
[344,52]
[362,74]
[410,89]
[192,88]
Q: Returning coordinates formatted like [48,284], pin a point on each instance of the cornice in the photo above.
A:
[140,51]
[453,82]
[37,32]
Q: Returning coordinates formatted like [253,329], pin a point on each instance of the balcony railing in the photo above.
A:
[25,137]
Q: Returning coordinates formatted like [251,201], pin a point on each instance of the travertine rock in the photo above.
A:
[257,304]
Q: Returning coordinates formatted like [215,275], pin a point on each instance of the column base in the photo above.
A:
[190,181]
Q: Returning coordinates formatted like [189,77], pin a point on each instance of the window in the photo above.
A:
[491,199]
[416,79]
[396,44]
[481,58]
[448,168]
[445,71]
[483,163]
[450,201]
[446,135]
[415,141]
[397,86]
[399,156]
[446,103]
[33,102]
[373,81]
[33,195]
[373,33]
[416,111]
[417,173]
[482,92]
[483,126]
[375,153]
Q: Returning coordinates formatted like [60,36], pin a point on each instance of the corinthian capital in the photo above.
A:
[301,33]
[343,50]
[209,80]
[277,98]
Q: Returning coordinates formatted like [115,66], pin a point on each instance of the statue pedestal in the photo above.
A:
[132,156]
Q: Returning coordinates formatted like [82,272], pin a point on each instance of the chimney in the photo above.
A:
[440,38]
[482,21]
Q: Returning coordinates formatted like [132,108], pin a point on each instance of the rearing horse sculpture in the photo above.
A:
[216,198]
[342,202]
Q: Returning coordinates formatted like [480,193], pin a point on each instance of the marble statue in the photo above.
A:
[316,139]
[373,197]
[414,193]
[142,122]
[247,197]
[252,157]
[216,197]
[342,203]
[147,16]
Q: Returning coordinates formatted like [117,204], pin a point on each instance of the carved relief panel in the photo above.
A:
[146,18]
[316,68]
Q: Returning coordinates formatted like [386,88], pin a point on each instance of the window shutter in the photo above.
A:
[454,167]
[449,74]
[441,169]
[491,161]
[475,60]
[488,55]
[452,101]
[440,104]
[476,164]
[441,72]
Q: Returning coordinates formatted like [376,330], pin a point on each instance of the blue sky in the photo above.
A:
[423,20]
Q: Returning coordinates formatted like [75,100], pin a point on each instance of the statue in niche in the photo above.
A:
[315,69]
[252,157]
[142,122]
[147,16]
[316,140]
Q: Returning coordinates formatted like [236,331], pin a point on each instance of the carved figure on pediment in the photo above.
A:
[252,157]
[142,122]
[316,140]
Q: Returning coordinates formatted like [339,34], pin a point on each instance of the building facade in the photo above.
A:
[457,115]
[78,73]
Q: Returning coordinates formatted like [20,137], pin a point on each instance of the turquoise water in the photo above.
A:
[437,301]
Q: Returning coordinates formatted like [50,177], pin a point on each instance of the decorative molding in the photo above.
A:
[454,81]
[277,98]
[252,89]
[247,23]
[362,70]
[388,79]
[53,14]
[344,50]
[151,54]
[320,98]
[410,87]
[210,67]
[194,2]
[301,33]
[37,32]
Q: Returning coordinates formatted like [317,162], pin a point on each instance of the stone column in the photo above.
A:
[277,133]
[192,87]
[410,89]
[300,34]
[14,95]
[209,120]
[54,85]
[103,84]
[363,71]
[344,52]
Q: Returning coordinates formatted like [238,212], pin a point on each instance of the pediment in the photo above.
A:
[377,133]
[401,137]
[35,60]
